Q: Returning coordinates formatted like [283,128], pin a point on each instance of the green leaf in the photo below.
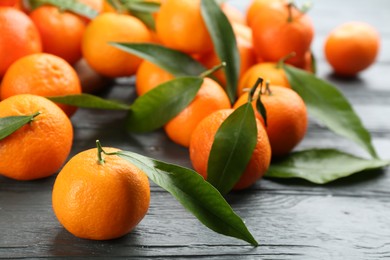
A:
[146,18]
[328,105]
[67,5]
[143,10]
[10,124]
[142,6]
[89,101]
[159,105]
[175,62]
[195,194]
[224,42]
[232,148]
[321,166]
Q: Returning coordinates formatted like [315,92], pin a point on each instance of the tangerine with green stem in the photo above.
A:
[280,30]
[39,148]
[100,196]
[203,138]
[286,117]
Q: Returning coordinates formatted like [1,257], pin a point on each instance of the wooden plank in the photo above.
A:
[285,225]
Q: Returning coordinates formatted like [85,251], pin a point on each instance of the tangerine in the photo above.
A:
[352,47]
[41,74]
[61,32]
[180,26]
[269,71]
[281,30]
[203,138]
[112,27]
[210,97]
[37,149]
[100,200]
[149,76]
[18,37]
[286,117]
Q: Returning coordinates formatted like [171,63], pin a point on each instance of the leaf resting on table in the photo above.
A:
[10,124]
[328,105]
[321,166]
[195,194]
[89,101]
[159,105]
[224,42]
[232,148]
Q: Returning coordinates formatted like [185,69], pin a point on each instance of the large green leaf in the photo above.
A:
[89,101]
[175,62]
[328,105]
[67,5]
[232,148]
[321,165]
[195,194]
[159,105]
[224,42]
[10,124]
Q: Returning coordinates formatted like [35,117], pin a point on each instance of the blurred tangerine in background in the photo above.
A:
[18,37]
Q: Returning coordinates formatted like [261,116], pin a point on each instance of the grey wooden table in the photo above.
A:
[348,219]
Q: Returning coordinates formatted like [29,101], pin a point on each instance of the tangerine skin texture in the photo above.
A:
[286,118]
[150,76]
[100,201]
[41,74]
[352,47]
[274,37]
[210,97]
[18,37]
[268,71]
[112,27]
[202,140]
[40,148]
[180,26]
[61,32]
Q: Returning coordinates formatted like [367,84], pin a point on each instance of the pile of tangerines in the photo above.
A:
[40,48]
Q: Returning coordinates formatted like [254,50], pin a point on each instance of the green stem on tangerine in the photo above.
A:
[281,62]
[267,88]
[258,82]
[99,152]
[34,115]
[212,70]
[290,5]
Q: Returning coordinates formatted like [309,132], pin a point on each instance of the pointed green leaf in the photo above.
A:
[67,5]
[159,105]
[89,101]
[175,62]
[232,148]
[195,194]
[224,42]
[321,166]
[328,105]
[10,124]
